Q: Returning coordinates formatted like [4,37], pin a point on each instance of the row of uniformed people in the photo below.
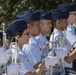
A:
[31,54]
[25,19]
[33,51]
[11,31]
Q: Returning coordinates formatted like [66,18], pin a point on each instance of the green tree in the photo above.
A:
[10,8]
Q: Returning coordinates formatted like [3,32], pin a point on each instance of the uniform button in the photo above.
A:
[27,60]
[40,49]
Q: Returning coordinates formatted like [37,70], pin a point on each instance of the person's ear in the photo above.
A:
[58,22]
[16,38]
[28,26]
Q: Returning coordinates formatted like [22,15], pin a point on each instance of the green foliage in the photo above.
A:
[10,8]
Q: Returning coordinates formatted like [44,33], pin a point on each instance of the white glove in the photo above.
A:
[61,53]
[50,61]
[13,69]
[67,48]
[4,56]
[7,55]
[52,53]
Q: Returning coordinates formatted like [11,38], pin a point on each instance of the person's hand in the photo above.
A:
[50,61]
[13,69]
[7,55]
[62,53]
[4,57]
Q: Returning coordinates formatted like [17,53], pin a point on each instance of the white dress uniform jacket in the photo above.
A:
[29,56]
[25,64]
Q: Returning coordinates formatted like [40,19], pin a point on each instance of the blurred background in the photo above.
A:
[10,8]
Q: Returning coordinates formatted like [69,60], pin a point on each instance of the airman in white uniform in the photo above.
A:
[20,27]
[60,22]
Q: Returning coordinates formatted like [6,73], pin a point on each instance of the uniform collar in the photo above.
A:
[56,31]
[33,40]
[42,38]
